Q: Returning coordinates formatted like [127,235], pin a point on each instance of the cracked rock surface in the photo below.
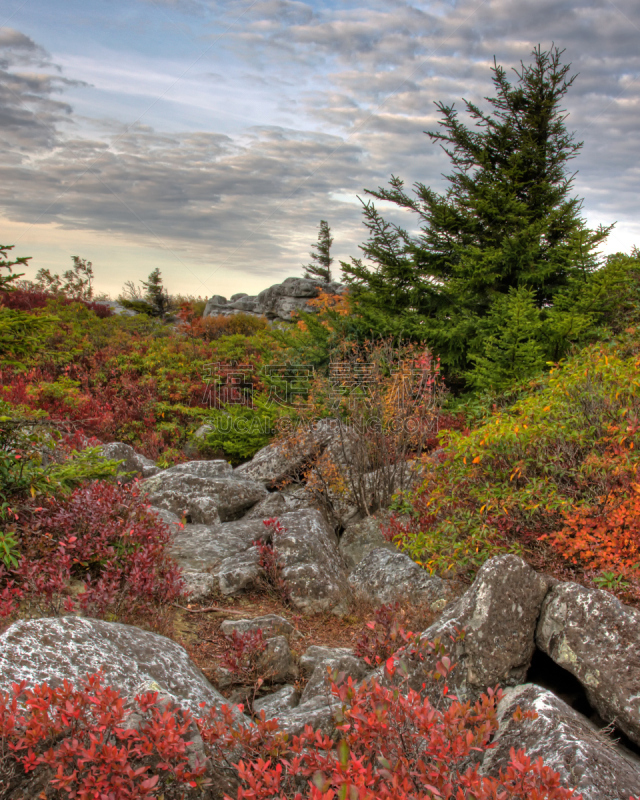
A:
[596,638]
[208,492]
[567,742]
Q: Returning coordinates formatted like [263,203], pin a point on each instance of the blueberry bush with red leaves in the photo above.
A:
[390,744]
[383,636]
[90,742]
[242,657]
[103,538]
[68,742]
[270,563]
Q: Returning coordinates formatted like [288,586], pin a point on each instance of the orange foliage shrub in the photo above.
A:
[337,303]
[605,536]
[211,328]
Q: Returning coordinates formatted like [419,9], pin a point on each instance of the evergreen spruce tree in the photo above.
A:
[320,267]
[155,294]
[507,222]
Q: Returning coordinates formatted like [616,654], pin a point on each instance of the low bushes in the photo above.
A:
[100,550]
[120,379]
[389,745]
[557,466]
[74,743]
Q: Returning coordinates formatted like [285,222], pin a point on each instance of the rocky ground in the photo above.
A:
[569,653]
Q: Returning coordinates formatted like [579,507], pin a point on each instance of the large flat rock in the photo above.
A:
[54,649]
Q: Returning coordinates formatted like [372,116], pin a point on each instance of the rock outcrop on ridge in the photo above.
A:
[278,302]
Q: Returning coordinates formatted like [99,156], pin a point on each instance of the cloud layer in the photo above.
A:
[341,97]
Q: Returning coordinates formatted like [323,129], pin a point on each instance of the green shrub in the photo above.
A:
[240,431]
[37,458]
[566,442]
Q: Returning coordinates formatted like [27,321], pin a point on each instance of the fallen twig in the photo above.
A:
[209,608]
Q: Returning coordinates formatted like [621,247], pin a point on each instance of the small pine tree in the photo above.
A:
[156,294]
[320,267]
[511,348]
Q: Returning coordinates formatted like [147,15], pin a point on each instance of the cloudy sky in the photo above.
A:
[209,137]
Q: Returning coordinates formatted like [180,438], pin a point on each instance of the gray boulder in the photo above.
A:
[168,517]
[279,460]
[597,639]
[300,287]
[498,613]
[277,302]
[285,307]
[276,503]
[203,548]
[225,552]
[215,305]
[310,563]
[267,299]
[319,654]
[360,538]
[385,576]
[240,572]
[345,665]
[317,705]
[244,303]
[134,464]
[585,758]
[319,713]
[207,491]
[198,585]
[52,650]
[277,664]
[278,703]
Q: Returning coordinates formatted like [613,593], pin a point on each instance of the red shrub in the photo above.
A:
[27,300]
[603,537]
[390,746]
[105,536]
[78,739]
[242,658]
[269,560]
[383,636]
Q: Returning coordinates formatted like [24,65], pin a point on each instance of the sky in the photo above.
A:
[209,138]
